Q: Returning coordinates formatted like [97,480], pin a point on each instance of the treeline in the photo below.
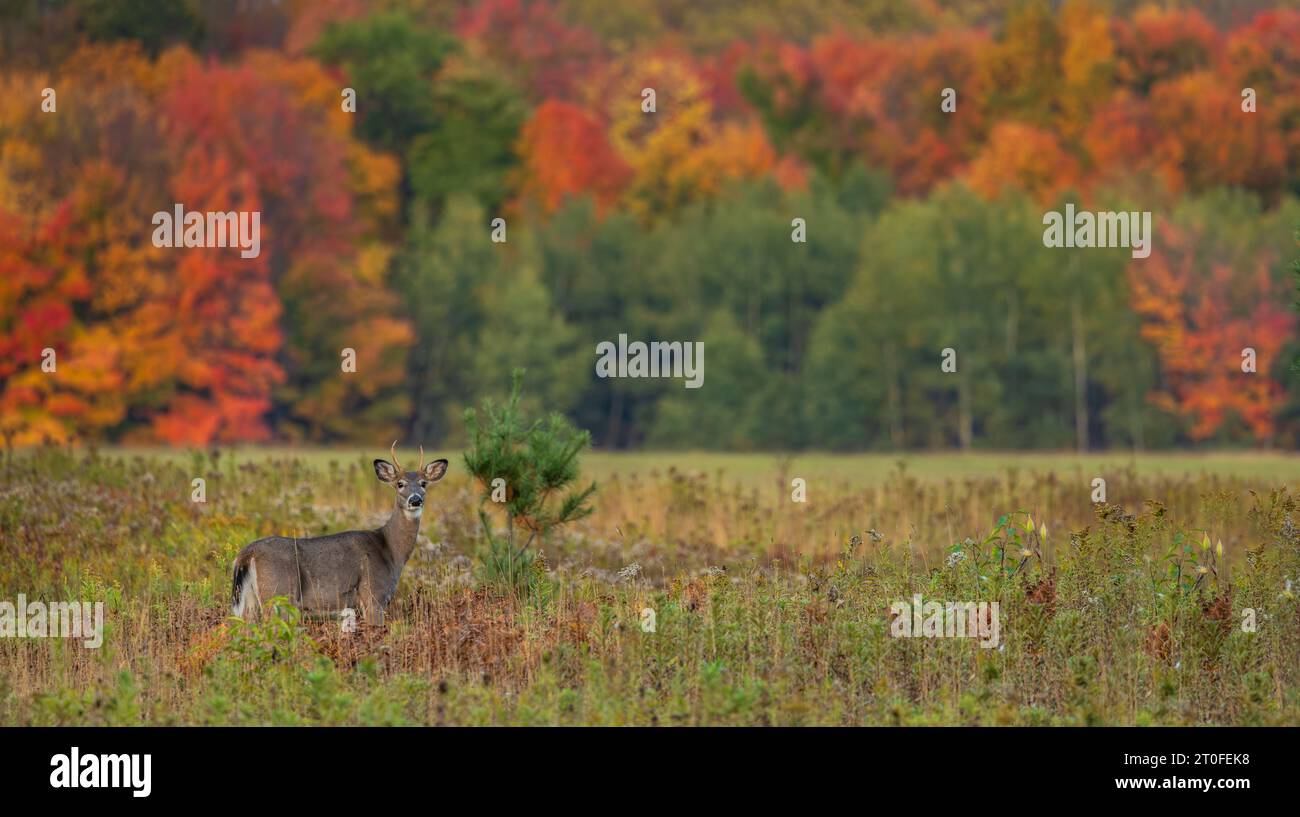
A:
[837,343]
[662,216]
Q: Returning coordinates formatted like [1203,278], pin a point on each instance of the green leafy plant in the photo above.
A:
[525,469]
[279,636]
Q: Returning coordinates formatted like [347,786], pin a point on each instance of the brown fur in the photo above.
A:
[325,574]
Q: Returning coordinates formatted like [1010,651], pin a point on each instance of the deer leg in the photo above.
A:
[372,612]
[364,595]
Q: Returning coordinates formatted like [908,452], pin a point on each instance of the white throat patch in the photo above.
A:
[412,514]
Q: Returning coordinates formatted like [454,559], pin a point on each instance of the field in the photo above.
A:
[765,610]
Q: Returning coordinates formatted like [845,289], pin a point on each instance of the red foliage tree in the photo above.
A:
[566,152]
[528,40]
[1201,313]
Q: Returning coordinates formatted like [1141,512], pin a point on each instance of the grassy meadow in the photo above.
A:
[765,610]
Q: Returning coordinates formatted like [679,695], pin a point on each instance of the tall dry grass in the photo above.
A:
[766,611]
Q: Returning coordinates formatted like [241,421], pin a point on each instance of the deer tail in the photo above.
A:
[243,587]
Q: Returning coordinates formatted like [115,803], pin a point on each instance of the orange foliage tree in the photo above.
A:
[565,151]
[1023,157]
[1201,310]
[682,152]
[79,275]
[189,345]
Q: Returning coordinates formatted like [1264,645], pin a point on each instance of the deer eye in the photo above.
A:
[401,483]
[423,484]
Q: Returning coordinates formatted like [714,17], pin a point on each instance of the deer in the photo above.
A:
[340,573]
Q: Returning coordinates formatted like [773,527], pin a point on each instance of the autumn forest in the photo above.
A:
[916,148]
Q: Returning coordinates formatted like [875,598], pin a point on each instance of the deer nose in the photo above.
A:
[415,501]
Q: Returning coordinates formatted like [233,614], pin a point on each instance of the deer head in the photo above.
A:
[410,485]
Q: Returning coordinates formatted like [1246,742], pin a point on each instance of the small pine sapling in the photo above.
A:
[526,469]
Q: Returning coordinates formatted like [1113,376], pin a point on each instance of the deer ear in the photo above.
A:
[385,471]
[435,470]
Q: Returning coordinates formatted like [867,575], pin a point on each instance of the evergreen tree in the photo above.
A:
[528,470]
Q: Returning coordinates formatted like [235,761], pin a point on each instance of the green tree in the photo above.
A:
[948,272]
[739,256]
[390,61]
[722,413]
[605,277]
[439,272]
[471,147]
[521,328]
[528,470]
[151,24]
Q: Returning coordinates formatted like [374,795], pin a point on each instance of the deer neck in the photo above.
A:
[399,534]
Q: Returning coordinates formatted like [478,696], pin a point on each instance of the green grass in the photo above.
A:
[875,468]
[853,469]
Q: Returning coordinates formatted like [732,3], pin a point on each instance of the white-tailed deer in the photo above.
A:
[328,574]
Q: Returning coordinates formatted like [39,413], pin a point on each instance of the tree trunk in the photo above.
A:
[1135,413]
[965,425]
[895,398]
[1080,374]
[1013,325]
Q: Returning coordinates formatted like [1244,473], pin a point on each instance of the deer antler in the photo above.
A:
[421,468]
[393,452]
